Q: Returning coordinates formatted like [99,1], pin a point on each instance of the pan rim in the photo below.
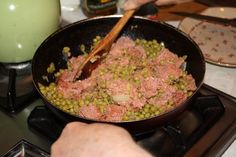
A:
[164,114]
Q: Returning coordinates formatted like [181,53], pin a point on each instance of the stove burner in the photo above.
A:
[173,139]
[176,138]
[16,85]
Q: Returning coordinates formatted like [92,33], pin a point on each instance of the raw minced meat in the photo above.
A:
[137,79]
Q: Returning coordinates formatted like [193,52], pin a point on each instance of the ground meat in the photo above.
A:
[166,57]
[150,86]
[70,89]
[133,81]
[114,113]
[90,111]
[117,49]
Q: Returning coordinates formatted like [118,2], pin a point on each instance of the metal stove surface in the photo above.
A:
[218,133]
[16,86]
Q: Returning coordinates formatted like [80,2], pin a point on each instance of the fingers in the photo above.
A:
[134,4]
[71,127]
[57,148]
[169,2]
[97,139]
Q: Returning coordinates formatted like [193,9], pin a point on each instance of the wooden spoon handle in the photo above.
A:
[106,43]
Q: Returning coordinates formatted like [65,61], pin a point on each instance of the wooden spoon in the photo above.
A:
[104,45]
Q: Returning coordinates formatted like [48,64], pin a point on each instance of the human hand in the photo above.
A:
[90,140]
[134,4]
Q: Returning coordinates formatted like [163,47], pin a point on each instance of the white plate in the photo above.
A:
[217,42]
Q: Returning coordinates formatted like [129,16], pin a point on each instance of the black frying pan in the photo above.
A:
[84,31]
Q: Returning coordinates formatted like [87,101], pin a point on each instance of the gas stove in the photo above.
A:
[205,128]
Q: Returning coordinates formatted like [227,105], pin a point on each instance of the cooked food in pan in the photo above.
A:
[138,79]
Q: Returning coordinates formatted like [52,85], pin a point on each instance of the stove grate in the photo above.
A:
[173,139]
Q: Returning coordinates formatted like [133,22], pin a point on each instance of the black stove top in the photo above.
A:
[211,109]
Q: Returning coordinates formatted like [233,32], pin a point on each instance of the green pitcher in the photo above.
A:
[24,26]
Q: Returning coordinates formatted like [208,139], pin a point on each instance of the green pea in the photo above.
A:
[190,93]
[125,118]
[152,109]
[147,115]
[157,112]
